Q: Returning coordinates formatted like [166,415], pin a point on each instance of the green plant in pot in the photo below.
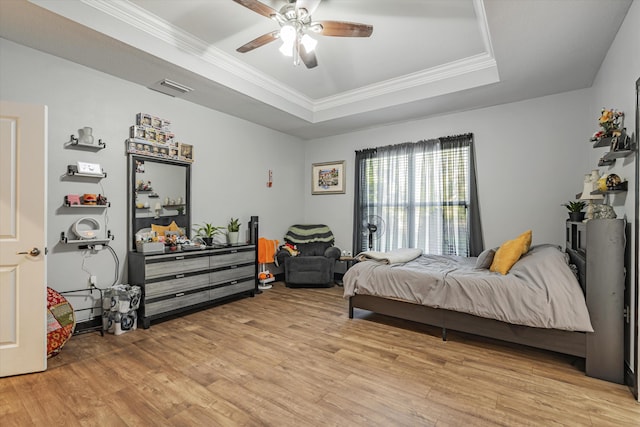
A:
[575,210]
[233,230]
[207,232]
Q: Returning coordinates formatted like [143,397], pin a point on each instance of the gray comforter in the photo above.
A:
[540,290]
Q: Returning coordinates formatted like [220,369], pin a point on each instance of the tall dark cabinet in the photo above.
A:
[597,247]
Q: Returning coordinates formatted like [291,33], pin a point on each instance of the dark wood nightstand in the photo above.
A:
[343,264]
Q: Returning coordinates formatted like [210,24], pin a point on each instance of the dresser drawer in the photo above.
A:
[233,288]
[180,283]
[175,264]
[179,301]
[176,282]
[232,273]
[232,258]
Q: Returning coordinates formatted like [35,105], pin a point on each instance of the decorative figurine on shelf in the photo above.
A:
[603,212]
[72,199]
[613,181]
[89,199]
[85,135]
[142,186]
[588,195]
[611,122]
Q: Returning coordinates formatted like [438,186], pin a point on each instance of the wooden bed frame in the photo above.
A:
[585,345]
[573,343]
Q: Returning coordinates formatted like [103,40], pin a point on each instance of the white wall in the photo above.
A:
[229,175]
[530,159]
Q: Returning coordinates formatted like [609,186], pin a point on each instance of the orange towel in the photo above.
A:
[266,250]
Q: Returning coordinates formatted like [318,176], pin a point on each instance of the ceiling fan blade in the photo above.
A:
[258,7]
[259,41]
[309,5]
[309,58]
[344,29]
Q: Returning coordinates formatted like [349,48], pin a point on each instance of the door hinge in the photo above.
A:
[627,314]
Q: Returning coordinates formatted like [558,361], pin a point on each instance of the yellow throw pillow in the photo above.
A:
[510,252]
[160,229]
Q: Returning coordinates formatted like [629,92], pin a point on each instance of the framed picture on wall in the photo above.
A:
[328,178]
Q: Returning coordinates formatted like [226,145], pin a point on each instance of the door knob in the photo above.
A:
[32,252]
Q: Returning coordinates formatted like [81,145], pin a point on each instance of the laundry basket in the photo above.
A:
[119,308]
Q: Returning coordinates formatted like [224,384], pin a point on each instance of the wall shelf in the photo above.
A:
[86,242]
[72,171]
[622,188]
[74,143]
[603,162]
[620,146]
[67,205]
[604,142]
[611,155]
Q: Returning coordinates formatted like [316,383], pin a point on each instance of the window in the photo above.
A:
[418,195]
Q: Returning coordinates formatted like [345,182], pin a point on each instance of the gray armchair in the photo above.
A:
[312,262]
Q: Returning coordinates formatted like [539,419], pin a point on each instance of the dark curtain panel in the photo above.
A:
[360,197]
[476,241]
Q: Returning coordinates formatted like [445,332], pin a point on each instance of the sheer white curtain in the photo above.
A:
[424,194]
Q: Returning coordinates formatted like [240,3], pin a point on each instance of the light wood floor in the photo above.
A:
[292,357]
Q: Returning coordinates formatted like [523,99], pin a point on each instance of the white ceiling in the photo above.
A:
[424,58]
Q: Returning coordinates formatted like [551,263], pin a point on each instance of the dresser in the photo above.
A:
[175,282]
[597,248]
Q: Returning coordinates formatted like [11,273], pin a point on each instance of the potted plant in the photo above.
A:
[233,230]
[575,210]
[207,232]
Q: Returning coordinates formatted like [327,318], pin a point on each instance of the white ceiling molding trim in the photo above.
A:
[129,24]
[478,70]
[125,21]
[483,26]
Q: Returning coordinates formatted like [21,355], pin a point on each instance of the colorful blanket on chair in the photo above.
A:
[309,233]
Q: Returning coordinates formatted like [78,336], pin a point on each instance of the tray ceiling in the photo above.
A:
[425,57]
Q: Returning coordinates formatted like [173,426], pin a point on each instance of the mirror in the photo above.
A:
[159,193]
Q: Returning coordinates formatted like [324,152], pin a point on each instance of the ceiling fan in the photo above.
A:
[295,23]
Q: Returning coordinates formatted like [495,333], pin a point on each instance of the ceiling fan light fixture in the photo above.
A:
[309,43]
[287,49]
[288,34]
[295,21]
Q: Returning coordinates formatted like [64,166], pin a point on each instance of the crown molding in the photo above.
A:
[139,18]
[135,26]
[431,76]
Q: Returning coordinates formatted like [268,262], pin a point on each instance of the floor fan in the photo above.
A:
[373,228]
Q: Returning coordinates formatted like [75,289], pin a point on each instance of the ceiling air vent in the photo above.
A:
[171,88]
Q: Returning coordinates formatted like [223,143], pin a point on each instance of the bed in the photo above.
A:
[539,303]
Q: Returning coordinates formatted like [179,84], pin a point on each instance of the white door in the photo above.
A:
[23,292]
